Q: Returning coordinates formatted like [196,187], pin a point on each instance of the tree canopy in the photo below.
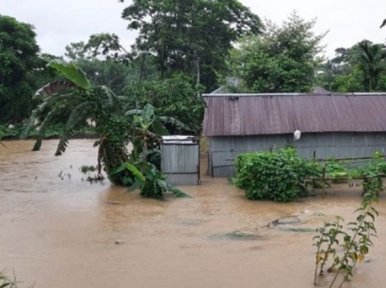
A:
[360,68]
[191,37]
[282,59]
[19,61]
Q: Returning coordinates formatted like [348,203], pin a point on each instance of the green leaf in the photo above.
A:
[72,72]
[175,122]
[42,130]
[148,113]
[118,169]
[176,192]
[53,88]
[134,112]
[29,125]
[114,102]
[143,154]
[159,129]
[136,185]
[79,113]
[135,172]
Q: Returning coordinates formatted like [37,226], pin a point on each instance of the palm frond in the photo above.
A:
[174,122]
[114,101]
[178,193]
[146,153]
[54,87]
[80,113]
[170,188]
[29,125]
[134,112]
[73,73]
[42,131]
[159,128]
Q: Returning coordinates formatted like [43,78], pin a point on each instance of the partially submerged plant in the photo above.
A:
[6,282]
[115,127]
[148,179]
[87,168]
[356,241]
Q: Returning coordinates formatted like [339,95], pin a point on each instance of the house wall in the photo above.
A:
[223,150]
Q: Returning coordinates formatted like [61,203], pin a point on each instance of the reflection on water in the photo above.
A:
[62,231]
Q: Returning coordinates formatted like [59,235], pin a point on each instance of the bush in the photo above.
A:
[278,176]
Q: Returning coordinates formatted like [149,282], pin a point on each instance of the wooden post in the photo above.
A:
[313,181]
[323,181]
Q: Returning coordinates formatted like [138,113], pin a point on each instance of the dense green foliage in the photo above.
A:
[173,97]
[282,59]
[282,175]
[277,176]
[18,60]
[360,68]
[190,37]
[115,126]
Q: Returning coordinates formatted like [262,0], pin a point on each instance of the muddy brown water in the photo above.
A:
[64,232]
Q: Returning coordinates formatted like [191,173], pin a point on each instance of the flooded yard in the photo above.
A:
[59,231]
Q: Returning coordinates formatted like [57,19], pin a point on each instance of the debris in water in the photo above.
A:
[281,221]
[287,220]
[112,203]
[237,235]
[296,229]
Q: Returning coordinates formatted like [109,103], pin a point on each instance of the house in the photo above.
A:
[332,125]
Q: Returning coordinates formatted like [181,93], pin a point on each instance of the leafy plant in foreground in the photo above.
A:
[356,241]
[6,282]
[151,182]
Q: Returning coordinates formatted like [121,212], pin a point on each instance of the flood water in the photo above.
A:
[59,231]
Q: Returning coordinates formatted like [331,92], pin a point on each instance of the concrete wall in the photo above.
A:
[223,150]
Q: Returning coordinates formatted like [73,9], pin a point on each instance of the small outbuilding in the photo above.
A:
[342,126]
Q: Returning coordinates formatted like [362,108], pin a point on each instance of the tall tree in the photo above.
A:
[360,68]
[18,62]
[189,36]
[283,59]
[76,51]
[372,63]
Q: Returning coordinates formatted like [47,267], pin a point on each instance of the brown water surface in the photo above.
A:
[59,231]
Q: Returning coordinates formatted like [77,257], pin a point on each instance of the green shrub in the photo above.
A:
[278,176]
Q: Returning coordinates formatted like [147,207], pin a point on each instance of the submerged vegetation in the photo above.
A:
[6,282]
[115,127]
[356,239]
[283,176]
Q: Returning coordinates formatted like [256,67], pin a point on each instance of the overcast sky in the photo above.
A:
[60,22]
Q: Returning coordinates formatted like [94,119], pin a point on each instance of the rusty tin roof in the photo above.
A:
[261,114]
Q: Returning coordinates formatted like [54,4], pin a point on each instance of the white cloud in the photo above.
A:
[59,23]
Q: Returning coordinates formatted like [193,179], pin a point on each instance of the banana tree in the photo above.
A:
[96,102]
[147,177]
[147,129]
[116,129]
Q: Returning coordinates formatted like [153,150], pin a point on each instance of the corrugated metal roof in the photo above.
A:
[262,114]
